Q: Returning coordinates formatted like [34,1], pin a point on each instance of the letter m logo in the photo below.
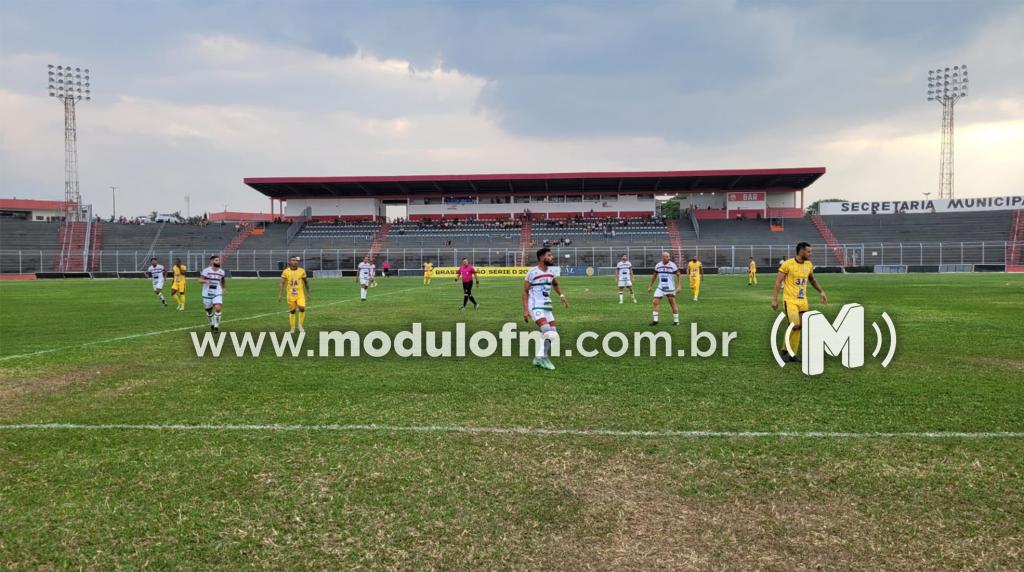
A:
[844,337]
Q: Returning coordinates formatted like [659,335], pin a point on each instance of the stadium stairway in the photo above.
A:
[675,239]
[71,239]
[1016,244]
[525,240]
[95,245]
[378,240]
[829,239]
[235,244]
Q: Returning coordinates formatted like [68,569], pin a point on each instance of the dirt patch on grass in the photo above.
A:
[635,517]
[16,390]
[1017,364]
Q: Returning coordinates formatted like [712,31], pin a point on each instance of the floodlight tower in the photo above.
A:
[947,86]
[70,85]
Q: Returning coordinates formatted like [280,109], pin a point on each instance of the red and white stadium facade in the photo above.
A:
[717,194]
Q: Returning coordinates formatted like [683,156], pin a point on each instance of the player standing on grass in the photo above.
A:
[364,277]
[624,279]
[214,283]
[666,274]
[537,304]
[178,283]
[796,273]
[467,274]
[294,279]
[752,273]
[156,273]
[695,270]
[428,273]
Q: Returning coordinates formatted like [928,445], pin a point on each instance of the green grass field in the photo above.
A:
[218,498]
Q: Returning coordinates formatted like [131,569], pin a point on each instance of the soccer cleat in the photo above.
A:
[461,308]
[302,330]
[546,364]
[654,323]
[539,362]
[694,298]
[620,301]
[475,305]
[634,300]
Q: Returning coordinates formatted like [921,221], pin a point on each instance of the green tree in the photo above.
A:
[815,207]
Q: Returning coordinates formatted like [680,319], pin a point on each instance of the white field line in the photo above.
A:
[181,329]
[538,431]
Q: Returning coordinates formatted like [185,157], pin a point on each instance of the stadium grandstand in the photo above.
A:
[588,219]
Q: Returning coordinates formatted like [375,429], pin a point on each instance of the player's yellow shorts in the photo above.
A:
[794,308]
[297,301]
[178,286]
[428,274]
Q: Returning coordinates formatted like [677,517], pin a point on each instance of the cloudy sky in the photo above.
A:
[190,97]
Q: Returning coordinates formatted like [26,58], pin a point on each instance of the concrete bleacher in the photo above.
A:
[975,237]
[752,231]
[27,246]
[915,228]
[603,232]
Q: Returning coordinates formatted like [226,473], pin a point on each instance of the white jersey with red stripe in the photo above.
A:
[541,282]
[666,272]
[213,287]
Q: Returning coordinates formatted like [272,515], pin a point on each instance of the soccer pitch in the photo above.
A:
[173,461]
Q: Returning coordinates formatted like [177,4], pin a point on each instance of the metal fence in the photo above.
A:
[866,254]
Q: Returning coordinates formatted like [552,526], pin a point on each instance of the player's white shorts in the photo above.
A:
[539,313]
[210,301]
[658,292]
[158,284]
[625,283]
[364,281]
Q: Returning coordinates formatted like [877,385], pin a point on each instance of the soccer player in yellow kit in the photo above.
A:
[428,272]
[752,273]
[796,273]
[695,270]
[178,283]
[294,279]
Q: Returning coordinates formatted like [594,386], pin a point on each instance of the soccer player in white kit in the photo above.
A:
[669,280]
[156,272]
[214,283]
[624,273]
[364,277]
[540,280]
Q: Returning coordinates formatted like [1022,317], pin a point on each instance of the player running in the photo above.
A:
[214,283]
[669,280]
[467,274]
[624,277]
[752,272]
[796,273]
[428,273]
[294,279]
[156,272]
[364,277]
[537,304]
[695,270]
[178,283]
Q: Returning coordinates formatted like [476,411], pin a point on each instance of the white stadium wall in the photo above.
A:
[345,209]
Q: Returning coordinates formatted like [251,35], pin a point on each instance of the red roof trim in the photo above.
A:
[31,204]
[537,176]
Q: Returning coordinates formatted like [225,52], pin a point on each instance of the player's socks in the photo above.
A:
[675,319]
[216,319]
[162,300]
[794,341]
[655,319]
[473,300]
[634,298]
[465,298]
[362,294]
[209,315]
[291,321]
[182,297]
[620,298]
[302,318]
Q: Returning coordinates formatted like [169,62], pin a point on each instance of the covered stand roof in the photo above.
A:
[660,182]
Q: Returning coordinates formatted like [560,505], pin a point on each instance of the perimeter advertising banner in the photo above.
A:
[923,206]
[485,271]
